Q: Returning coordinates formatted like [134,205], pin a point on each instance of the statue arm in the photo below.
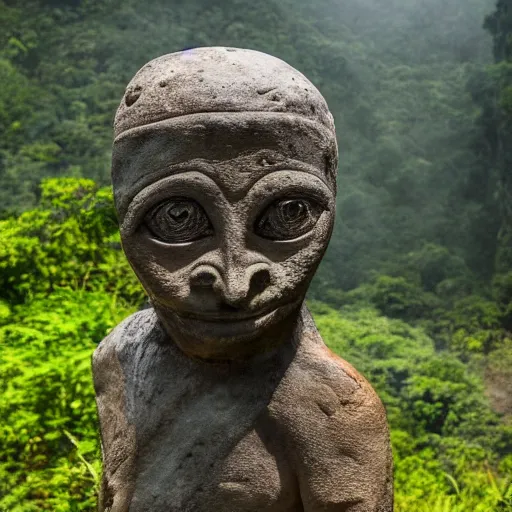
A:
[349,467]
[117,437]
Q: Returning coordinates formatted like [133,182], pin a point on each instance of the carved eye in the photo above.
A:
[177,221]
[287,219]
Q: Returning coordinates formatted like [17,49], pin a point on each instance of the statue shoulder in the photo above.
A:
[127,336]
[335,385]
[330,414]
[360,390]
[319,366]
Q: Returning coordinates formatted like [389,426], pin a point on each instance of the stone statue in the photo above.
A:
[222,397]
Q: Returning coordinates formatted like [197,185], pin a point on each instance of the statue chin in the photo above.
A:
[230,337]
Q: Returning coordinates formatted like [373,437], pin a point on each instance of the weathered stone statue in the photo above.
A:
[222,397]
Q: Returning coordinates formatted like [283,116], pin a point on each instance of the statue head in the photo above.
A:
[224,175]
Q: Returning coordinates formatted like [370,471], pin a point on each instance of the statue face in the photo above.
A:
[225,244]
[223,168]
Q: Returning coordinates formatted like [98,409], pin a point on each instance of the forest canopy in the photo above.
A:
[415,289]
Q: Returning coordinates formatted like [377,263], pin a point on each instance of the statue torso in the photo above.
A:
[224,437]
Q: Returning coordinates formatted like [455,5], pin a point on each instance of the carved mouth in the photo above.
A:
[244,321]
[233,328]
[227,317]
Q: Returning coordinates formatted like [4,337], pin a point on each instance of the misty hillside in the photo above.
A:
[415,289]
[395,76]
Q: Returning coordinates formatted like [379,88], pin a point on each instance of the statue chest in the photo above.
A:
[226,474]
[204,442]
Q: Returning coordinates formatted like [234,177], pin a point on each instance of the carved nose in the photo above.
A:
[204,277]
[237,286]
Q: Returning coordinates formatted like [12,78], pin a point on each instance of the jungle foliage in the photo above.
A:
[416,287]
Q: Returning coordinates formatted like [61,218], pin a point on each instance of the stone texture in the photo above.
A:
[217,80]
[222,396]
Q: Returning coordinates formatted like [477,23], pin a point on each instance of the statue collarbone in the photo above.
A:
[223,396]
